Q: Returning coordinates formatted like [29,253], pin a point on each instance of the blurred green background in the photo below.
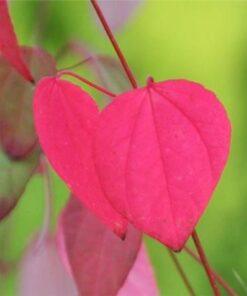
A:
[204,41]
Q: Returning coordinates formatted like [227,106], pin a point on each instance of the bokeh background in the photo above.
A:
[204,41]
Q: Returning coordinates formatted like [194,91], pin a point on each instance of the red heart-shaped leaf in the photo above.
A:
[160,151]
[17,134]
[8,43]
[65,119]
[98,260]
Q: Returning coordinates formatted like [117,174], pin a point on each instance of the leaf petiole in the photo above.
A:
[89,83]
[114,43]
[181,273]
[205,263]
[219,279]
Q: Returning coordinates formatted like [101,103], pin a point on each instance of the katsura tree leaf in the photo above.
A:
[141,280]
[98,260]
[17,134]
[14,175]
[42,272]
[118,12]
[160,151]
[8,43]
[65,118]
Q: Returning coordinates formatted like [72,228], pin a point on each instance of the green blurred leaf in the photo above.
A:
[14,176]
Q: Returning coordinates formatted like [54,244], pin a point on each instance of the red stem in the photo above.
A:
[182,273]
[230,291]
[205,263]
[84,80]
[114,44]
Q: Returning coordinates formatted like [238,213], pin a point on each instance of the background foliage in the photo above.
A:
[205,41]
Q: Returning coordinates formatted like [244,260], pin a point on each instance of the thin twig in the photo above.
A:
[230,291]
[181,273]
[240,280]
[114,43]
[84,80]
[205,263]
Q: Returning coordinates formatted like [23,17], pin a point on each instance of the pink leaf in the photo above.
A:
[8,42]
[98,260]
[160,151]
[140,280]
[17,134]
[65,118]
[42,272]
[118,12]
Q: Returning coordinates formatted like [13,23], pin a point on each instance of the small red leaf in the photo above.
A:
[160,151]
[17,134]
[98,260]
[41,272]
[141,280]
[65,118]
[8,42]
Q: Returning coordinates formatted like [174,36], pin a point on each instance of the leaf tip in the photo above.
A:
[120,230]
